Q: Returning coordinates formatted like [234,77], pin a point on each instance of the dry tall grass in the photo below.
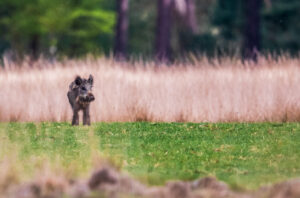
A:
[217,91]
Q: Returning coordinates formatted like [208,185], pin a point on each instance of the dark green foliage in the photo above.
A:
[72,27]
[281,27]
[142,19]
[228,17]
[203,44]
[75,28]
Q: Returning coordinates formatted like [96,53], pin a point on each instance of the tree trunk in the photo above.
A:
[121,38]
[252,29]
[188,26]
[191,18]
[34,47]
[163,30]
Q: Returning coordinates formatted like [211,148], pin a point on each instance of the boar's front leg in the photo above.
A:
[75,120]
[86,116]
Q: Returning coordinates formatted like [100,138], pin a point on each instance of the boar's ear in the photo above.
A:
[91,79]
[78,80]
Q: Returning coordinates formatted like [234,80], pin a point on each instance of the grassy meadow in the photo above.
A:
[222,118]
[242,155]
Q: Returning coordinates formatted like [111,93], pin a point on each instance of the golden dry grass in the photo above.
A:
[206,91]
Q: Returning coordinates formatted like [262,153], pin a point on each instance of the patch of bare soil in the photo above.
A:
[107,182]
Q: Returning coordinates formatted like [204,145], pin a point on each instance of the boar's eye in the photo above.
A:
[83,88]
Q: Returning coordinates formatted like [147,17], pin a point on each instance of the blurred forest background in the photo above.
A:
[162,29]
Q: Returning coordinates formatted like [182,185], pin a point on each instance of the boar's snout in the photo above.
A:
[87,98]
[91,97]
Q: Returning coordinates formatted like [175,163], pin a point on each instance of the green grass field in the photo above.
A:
[242,155]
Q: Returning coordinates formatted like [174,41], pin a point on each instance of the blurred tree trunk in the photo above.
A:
[188,26]
[268,3]
[191,19]
[121,37]
[34,47]
[252,29]
[163,30]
